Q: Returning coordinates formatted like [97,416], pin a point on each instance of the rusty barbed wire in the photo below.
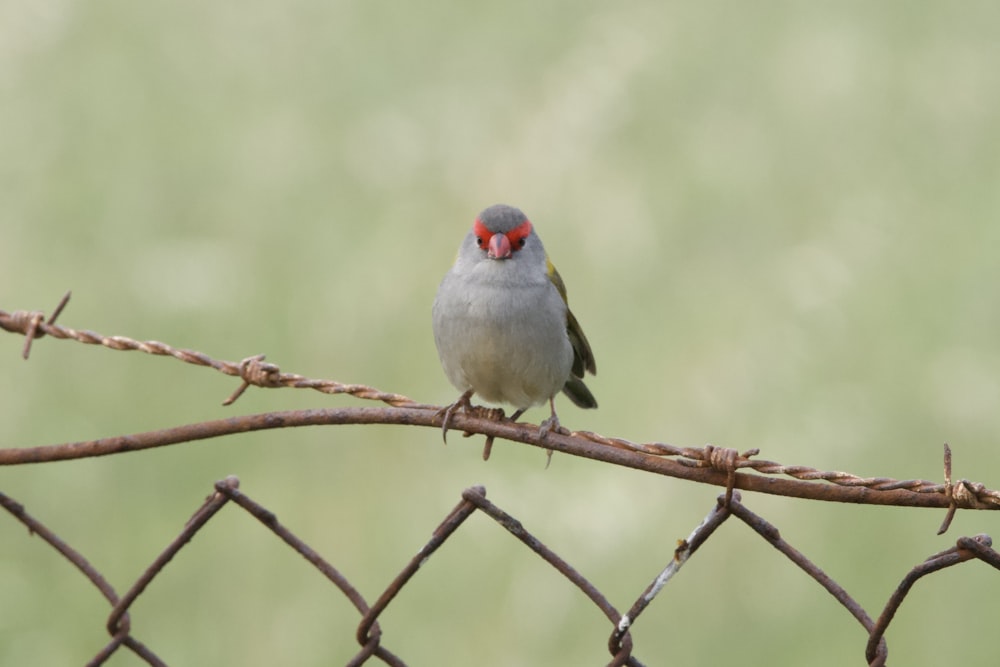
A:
[709,464]
[252,370]
[718,465]
[368,634]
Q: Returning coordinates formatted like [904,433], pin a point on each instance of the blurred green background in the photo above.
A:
[779,227]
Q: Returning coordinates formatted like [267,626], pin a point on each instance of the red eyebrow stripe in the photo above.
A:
[479,229]
[515,236]
[518,233]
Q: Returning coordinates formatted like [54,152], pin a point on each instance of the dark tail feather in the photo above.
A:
[578,393]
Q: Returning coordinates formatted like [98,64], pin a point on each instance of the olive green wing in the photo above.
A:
[583,356]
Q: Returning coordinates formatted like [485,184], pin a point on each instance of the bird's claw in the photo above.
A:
[551,425]
[464,402]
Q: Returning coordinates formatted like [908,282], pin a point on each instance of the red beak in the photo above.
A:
[499,247]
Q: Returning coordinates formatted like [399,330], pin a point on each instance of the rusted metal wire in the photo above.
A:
[909,493]
[371,646]
[122,635]
[682,553]
[252,370]
[965,549]
[710,464]
[369,635]
[773,537]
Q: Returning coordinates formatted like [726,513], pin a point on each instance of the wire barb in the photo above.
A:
[255,372]
[949,492]
[32,324]
[725,460]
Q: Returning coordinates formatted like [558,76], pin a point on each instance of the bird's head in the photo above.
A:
[501,231]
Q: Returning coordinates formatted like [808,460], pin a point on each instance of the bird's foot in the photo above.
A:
[496,414]
[464,402]
[549,425]
[493,414]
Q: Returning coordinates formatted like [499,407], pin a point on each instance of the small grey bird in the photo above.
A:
[502,325]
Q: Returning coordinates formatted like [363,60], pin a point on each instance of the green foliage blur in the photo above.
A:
[778,224]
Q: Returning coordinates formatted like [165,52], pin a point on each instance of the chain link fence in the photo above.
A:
[712,465]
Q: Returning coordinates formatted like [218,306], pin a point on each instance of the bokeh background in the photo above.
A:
[778,223]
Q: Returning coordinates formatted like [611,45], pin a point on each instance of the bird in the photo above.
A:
[502,324]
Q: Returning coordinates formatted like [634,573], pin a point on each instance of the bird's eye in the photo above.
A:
[518,236]
[480,231]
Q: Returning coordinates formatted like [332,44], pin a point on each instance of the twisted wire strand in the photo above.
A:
[254,371]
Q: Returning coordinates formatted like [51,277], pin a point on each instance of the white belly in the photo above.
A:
[508,344]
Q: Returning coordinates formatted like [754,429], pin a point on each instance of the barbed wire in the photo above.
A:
[708,464]
[711,465]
